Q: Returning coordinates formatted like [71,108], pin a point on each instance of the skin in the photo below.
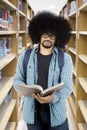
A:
[46,48]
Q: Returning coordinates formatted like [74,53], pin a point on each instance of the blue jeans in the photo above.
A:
[45,126]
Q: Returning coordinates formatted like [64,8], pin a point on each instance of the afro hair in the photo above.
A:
[47,22]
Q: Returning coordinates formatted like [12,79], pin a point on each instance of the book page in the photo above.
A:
[26,90]
[52,89]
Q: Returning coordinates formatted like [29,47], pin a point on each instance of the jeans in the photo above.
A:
[45,126]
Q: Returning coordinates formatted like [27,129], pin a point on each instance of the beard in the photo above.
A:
[47,44]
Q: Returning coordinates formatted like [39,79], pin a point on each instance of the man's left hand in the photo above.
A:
[43,100]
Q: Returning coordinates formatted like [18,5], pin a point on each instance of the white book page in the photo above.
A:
[26,90]
[52,89]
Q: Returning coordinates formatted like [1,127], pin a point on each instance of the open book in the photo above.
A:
[27,90]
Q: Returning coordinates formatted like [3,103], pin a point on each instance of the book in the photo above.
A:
[27,90]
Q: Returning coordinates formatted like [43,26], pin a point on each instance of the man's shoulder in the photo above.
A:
[67,57]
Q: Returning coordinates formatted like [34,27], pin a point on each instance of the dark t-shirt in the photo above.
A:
[43,68]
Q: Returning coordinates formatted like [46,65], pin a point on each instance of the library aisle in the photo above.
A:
[15,16]
[72,125]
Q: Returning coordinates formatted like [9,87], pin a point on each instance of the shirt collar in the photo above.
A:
[55,50]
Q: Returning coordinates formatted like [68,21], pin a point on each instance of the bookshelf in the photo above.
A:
[82,63]
[77,48]
[14,38]
[73,52]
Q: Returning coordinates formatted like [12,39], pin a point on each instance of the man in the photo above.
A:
[49,32]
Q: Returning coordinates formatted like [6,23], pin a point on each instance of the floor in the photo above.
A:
[22,124]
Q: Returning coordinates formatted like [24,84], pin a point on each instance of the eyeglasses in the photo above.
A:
[46,35]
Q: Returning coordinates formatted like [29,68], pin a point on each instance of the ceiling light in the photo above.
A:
[52,6]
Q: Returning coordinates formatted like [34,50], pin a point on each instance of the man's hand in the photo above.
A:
[43,100]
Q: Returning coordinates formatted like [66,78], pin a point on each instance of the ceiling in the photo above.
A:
[49,5]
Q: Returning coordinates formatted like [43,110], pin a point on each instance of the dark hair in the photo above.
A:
[47,22]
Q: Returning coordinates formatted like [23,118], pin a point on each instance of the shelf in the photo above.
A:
[19,23]
[72,104]
[28,18]
[74,90]
[74,70]
[82,126]
[83,108]
[77,48]
[5,86]
[83,7]
[73,50]
[4,4]
[21,14]
[73,32]
[22,32]
[73,14]
[83,32]
[7,32]
[83,58]
[11,126]
[6,110]
[21,105]
[83,83]
[6,60]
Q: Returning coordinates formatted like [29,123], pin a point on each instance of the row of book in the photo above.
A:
[5,46]
[9,94]
[20,5]
[20,43]
[29,13]
[6,20]
[73,5]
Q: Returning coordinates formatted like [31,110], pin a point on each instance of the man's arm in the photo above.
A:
[19,74]
[66,77]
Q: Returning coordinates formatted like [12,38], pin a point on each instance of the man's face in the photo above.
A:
[48,40]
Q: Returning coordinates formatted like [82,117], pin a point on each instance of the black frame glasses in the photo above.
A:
[46,35]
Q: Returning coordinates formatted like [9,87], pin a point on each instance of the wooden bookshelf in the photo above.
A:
[21,98]
[83,82]
[5,113]
[74,70]
[83,32]
[10,109]
[83,58]
[74,90]
[6,60]
[11,126]
[72,104]
[77,48]
[83,108]
[7,5]
[5,86]
[82,63]
[21,14]
[73,14]
[7,32]
[82,126]
[83,7]
[73,50]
